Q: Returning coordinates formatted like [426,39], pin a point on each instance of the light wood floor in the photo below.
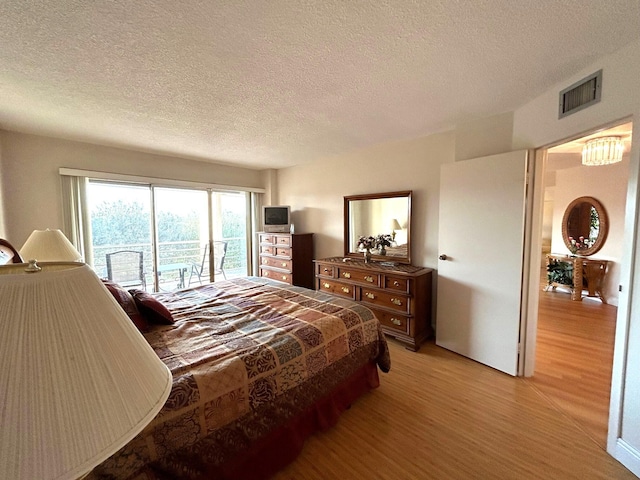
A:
[438,415]
[574,357]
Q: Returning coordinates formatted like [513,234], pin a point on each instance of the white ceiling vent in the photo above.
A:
[581,94]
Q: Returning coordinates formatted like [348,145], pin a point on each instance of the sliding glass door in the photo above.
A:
[185,237]
[120,224]
[182,234]
[230,212]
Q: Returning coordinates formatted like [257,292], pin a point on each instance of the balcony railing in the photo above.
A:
[187,254]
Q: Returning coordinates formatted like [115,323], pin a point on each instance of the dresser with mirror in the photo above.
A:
[398,292]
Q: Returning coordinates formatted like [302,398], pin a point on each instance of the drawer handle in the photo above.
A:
[346,275]
[396,301]
[326,270]
[284,277]
[284,264]
[395,321]
[369,295]
[345,289]
[326,285]
[265,261]
[396,283]
[369,278]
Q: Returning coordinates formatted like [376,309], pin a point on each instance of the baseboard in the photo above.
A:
[628,456]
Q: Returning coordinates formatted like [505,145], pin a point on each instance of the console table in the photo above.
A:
[585,274]
[399,294]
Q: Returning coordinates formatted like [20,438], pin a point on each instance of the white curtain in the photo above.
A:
[257,199]
[75,215]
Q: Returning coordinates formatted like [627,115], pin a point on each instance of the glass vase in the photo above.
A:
[367,255]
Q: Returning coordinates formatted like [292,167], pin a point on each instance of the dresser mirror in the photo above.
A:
[585,226]
[377,214]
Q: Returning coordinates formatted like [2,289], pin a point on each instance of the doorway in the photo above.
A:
[575,338]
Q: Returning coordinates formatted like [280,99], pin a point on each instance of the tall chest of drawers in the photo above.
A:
[399,295]
[287,257]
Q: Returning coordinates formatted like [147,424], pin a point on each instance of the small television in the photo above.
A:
[276,218]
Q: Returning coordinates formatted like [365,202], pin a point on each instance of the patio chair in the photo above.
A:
[126,268]
[219,254]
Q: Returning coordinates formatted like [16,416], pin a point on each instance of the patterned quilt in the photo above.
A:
[246,356]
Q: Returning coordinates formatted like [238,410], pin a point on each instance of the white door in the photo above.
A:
[481,247]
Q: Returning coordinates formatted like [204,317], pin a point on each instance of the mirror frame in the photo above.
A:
[603,226]
[376,196]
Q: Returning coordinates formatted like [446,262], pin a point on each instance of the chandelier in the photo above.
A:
[602,151]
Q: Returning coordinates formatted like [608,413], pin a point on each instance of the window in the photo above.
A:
[172,229]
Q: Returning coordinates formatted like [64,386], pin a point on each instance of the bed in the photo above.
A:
[257,366]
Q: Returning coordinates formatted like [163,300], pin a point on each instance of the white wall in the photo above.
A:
[315,191]
[30,184]
[488,136]
[2,212]
[270,183]
[536,124]
[608,185]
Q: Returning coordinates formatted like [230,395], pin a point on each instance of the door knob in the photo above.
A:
[442,257]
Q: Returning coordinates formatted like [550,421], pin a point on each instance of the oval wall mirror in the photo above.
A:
[584,226]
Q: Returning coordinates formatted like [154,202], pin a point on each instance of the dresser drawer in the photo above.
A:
[398,284]
[283,240]
[282,263]
[341,289]
[395,321]
[283,251]
[267,250]
[275,275]
[392,300]
[266,238]
[324,270]
[359,276]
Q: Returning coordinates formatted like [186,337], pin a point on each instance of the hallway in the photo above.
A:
[574,358]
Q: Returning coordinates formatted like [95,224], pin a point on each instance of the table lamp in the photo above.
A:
[395,225]
[49,246]
[78,381]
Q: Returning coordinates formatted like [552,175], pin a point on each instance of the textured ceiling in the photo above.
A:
[273,83]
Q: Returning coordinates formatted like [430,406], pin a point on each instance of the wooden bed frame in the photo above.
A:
[8,253]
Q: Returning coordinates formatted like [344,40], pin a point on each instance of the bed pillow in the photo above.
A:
[128,304]
[151,308]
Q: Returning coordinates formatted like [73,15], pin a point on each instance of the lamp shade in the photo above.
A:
[395,225]
[49,246]
[78,381]
[602,151]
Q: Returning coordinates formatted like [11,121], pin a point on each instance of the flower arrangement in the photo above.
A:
[366,243]
[379,242]
[580,244]
[383,241]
